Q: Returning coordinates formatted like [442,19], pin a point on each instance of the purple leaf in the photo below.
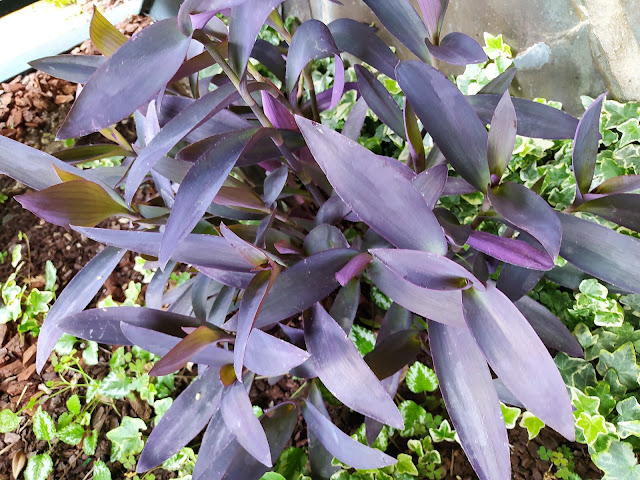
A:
[414,138]
[516,355]
[430,184]
[277,113]
[502,135]
[72,68]
[441,306]
[345,305]
[199,187]
[510,250]
[621,208]
[457,49]
[332,211]
[393,353]
[269,356]
[338,82]
[354,267]
[311,41]
[553,333]
[355,121]
[449,119]
[456,234]
[515,282]
[269,56]
[343,371]
[528,212]
[431,12]
[324,98]
[88,153]
[457,186]
[186,417]
[620,184]
[122,84]
[324,237]
[238,416]
[320,459]
[404,23]
[426,270]
[380,100]
[252,254]
[534,119]
[476,417]
[601,252]
[374,189]
[273,185]
[155,289]
[500,84]
[199,7]
[77,202]
[214,455]
[176,129]
[585,145]
[196,249]
[76,296]
[361,41]
[341,445]
[245,22]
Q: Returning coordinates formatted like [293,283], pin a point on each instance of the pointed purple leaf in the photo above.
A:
[277,113]
[345,305]
[516,354]
[252,254]
[88,153]
[274,183]
[338,82]
[621,208]
[269,356]
[510,250]
[393,353]
[197,7]
[374,189]
[585,145]
[620,184]
[449,119]
[72,68]
[413,133]
[320,459]
[476,417]
[355,121]
[269,55]
[457,49]
[500,84]
[457,186]
[122,84]
[354,267]
[343,371]
[431,11]
[380,100]
[324,237]
[502,135]
[430,184]
[515,282]
[214,455]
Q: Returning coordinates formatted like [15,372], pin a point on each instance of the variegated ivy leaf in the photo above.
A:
[415,418]
[444,433]
[292,463]
[591,426]
[575,372]
[382,440]
[510,415]
[363,338]
[421,378]
[405,465]
[620,365]
[619,462]
[126,440]
[602,390]
[583,403]
[628,421]
[43,426]
[532,423]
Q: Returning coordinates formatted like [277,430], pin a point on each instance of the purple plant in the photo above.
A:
[265,195]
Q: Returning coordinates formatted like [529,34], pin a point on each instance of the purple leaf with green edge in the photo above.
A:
[345,305]
[510,250]
[393,353]
[196,7]
[476,417]
[252,254]
[269,356]
[72,68]
[245,22]
[553,333]
[502,136]
[78,202]
[501,83]
[273,185]
[457,186]
[104,36]
[174,131]
[431,11]
[186,417]
[528,212]
[585,145]
[339,365]
[361,41]
[76,296]
[123,82]
[186,349]
[355,121]
[457,49]
[414,137]
[404,23]
[277,113]
[430,184]
[269,55]
[338,82]
[196,249]
[238,416]
[426,270]
[534,119]
[516,355]
[311,41]
[449,119]
[374,189]
[250,305]
[601,252]
[620,184]
[380,100]
[341,445]
[515,282]
[87,153]
[324,237]
[199,188]
[353,268]
[620,208]
[442,306]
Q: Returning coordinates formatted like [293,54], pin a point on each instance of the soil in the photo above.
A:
[31,108]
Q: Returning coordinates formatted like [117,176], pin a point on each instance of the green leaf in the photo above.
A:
[444,433]
[43,426]
[618,463]
[161,407]
[49,276]
[38,302]
[421,378]
[623,363]
[73,404]
[575,372]
[90,353]
[272,476]
[38,467]
[90,443]
[584,403]
[630,132]
[115,385]
[363,338]
[591,426]
[126,440]
[182,462]
[16,255]
[510,415]
[101,471]
[603,391]
[405,465]
[71,434]
[532,423]
[9,421]
[292,463]
[414,417]
[65,344]
[628,421]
